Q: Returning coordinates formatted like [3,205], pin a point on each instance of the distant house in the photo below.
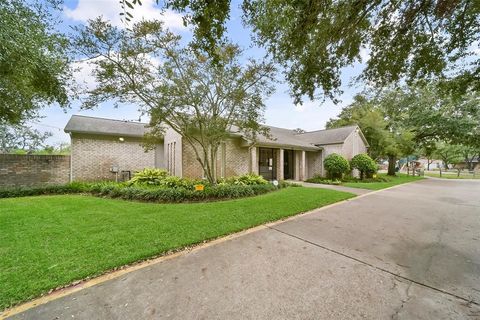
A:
[105,148]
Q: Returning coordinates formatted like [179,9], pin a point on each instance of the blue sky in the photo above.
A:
[281,111]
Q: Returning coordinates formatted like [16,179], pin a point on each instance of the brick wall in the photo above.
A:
[33,170]
[232,160]
[173,152]
[93,156]
[314,163]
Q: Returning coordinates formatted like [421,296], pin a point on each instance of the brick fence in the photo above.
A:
[33,170]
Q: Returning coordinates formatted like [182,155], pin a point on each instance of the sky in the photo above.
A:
[280,111]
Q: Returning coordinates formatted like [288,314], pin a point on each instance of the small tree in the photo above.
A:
[14,138]
[200,98]
[449,154]
[336,166]
[363,163]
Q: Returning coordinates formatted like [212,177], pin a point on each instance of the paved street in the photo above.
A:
[412,252]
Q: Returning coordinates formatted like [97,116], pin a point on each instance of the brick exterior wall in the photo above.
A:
[237,160]
[33,170]
[94,156]
[233,159]
[173,152]
[314,163]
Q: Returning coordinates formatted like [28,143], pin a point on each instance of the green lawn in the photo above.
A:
[49,241]
[452,175]
[393,181]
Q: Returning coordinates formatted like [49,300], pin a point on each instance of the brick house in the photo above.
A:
[106,149]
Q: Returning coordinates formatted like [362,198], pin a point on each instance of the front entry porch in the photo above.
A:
[280,164]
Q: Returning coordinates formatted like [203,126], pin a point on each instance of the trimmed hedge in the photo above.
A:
[153,194]
[336,166]
[363,163]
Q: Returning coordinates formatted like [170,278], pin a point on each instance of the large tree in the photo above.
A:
[34,66]
[200,99]
[314,40]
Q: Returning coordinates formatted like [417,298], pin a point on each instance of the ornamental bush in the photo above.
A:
[336,166]
[363,163]
[148,176]
[246,179]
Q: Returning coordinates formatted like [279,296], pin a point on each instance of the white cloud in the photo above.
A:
[83,74]
[110,10]
[365,54]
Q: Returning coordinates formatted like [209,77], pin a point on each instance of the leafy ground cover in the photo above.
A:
[50,241]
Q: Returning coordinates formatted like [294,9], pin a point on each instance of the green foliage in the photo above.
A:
[246,179]
[43,190]
[315,40]
[363,163]
[324,180]
[198,96]
[449,153]
[34,64]
[150,176]
[21,139]
[336,166]
[169,189]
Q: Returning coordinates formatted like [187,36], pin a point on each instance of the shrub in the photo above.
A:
[246,179]
[363,163]
[336,166]
[323,180]
[148,176]
[160,193]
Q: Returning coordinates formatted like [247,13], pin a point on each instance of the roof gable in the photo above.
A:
[327,136]
[102,126]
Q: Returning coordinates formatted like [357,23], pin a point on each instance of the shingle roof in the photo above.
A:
[327,136]
[286,138]
[279,136]
[102,126]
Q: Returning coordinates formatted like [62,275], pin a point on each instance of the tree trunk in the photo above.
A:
[391,165]
[429,162]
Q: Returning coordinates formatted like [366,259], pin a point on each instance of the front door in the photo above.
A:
[288,164]
[266,163]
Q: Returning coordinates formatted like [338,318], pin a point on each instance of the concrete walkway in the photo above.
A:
[411,252]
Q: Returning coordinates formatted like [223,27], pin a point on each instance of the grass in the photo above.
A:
[392,181]
[452,175]
[50,241]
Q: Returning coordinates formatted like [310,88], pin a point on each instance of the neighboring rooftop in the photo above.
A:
[102,126]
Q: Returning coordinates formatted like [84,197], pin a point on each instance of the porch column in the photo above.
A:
[280,167]
[302,166]
[253,160]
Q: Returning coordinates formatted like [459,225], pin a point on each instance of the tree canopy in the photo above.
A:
[177,86]
[34,65]
[21,138]
[400,121]
[315,40]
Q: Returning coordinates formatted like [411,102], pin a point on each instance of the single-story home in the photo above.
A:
[112,149]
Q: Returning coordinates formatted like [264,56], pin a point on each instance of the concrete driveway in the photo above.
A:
[412,252]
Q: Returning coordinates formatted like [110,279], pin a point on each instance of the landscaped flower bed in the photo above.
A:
[157,186]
